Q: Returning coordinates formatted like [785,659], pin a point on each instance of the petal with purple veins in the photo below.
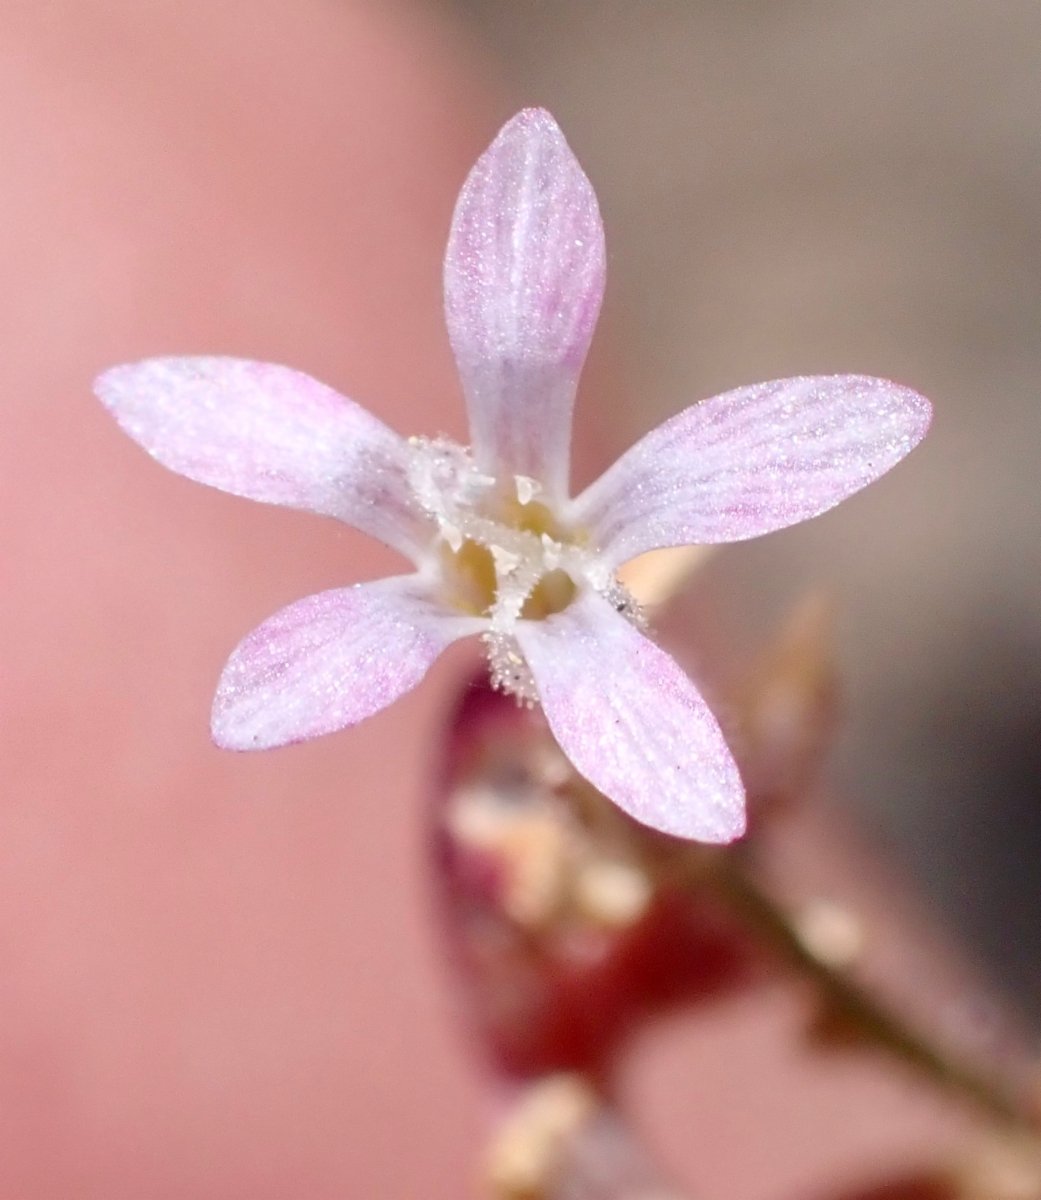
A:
[751,461]
[273,434]
[632,722]
[330,661]
[524,276]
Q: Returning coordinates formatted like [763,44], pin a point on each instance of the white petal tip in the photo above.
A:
[718,822]
[229,734]
[732,827]
[226,741]
[920,412]
[531,120]
[108,385]
[236,728]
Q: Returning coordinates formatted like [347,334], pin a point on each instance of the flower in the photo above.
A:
[499,547]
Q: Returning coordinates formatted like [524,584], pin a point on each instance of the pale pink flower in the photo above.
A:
[499,547]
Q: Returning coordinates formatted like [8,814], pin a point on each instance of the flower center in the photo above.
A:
[501,553]
[471,584]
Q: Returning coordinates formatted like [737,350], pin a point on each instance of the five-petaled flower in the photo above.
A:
[499,547]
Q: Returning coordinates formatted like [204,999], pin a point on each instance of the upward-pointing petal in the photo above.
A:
[751,461]
[272,434]
[633,723]
[524,276]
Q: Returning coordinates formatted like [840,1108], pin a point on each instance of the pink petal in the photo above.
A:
[330,661]
[751,461]
[524,276]
[271,434]
[633,723]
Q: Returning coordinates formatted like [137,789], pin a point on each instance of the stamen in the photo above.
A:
[551,552]
[508,670]
[527,488]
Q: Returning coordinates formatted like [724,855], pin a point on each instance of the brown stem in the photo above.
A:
[860,1012]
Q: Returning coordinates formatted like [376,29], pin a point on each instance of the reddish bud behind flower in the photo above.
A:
[568,920]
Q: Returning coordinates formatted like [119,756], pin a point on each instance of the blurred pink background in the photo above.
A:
[218,974]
